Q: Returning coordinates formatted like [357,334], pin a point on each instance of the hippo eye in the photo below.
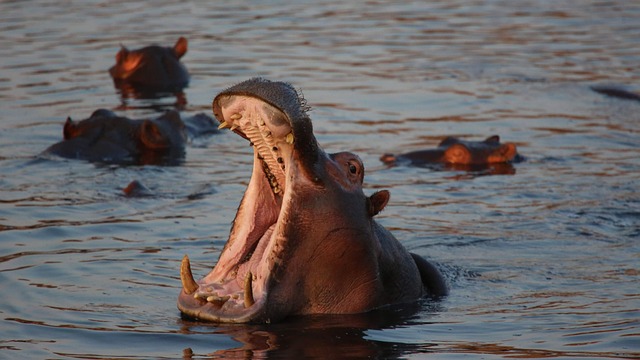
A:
[353,169]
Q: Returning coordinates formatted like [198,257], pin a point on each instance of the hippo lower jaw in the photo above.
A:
[236,290]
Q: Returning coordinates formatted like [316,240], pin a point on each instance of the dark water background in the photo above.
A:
[544,262]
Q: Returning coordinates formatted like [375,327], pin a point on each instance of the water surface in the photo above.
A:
[542,262]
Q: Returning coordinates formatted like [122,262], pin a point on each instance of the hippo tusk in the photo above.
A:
[223,125]
[188,283]
[289,138]
[248,290]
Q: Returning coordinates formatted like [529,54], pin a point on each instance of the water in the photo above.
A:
[544,262]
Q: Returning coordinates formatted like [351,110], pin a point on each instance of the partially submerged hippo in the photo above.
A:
[137,189]
[304,240]
[151,69]
[459,152]
[616,92]
[108,138]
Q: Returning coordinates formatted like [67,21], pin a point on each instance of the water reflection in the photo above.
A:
[317,337]
[128,92]
[469,171]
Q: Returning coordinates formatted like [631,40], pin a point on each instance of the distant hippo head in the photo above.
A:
[108,138]
[454,151]
[304,240]
[151,69]
[489,151]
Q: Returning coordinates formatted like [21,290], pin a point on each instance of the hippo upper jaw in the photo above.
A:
[238,288]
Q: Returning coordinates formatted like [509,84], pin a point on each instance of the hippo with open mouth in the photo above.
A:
[303,240]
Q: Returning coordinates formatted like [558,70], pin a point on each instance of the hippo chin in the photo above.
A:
[304,240]
[151,69]
[453,151]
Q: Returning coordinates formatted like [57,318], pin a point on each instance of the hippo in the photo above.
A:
[137,189]
[303,240]
[108,138]
[151,69]
[615,92]
[453,151]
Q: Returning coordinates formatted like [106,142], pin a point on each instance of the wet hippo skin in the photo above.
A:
[137,189]
[616,92]
[151,69]
[459,152]
[108,138]
[304,240]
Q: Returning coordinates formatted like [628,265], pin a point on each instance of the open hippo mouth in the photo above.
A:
[304,240]
[271,115]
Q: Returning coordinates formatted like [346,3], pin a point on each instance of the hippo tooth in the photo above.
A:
[188,283]
[218,299]
[223,125]
[289,138]
[234,127]
[235,116]
[248,290]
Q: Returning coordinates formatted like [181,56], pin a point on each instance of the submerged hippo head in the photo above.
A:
[454,151]
[303,240]
[152,68]
[108,138]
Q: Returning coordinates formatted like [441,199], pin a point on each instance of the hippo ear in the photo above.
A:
[122,54]
[377,201]
[151,136]
[388,158]
[70,129]
[180,48]
[492,139]
[457,154]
